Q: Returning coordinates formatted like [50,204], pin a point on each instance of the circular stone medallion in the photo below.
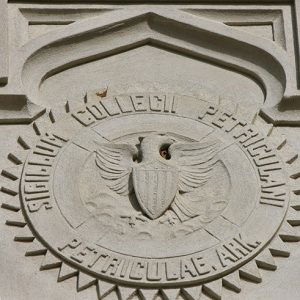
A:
[154,191]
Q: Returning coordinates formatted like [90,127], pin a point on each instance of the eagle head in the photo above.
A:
[155,146]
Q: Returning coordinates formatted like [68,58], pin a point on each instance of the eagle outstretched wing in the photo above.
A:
[195,161]
[115,162]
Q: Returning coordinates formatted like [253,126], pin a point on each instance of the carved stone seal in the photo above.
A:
[156,193]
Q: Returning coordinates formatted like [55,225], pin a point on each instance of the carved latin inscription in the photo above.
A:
[38,172]
[155,204]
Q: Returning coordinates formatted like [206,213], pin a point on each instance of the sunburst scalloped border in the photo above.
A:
[250,271]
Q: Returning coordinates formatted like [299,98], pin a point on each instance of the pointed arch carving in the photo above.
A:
[117,31]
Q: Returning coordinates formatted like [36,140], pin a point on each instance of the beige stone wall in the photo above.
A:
[59,56]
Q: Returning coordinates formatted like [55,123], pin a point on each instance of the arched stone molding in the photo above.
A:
[120,31]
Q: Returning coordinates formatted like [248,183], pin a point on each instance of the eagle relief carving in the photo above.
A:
[160,171]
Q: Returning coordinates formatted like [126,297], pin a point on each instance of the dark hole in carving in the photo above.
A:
[164,152]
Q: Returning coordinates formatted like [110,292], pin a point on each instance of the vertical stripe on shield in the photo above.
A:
[152,192]
[162,176]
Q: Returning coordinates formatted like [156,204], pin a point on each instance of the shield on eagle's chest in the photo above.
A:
[155,186]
